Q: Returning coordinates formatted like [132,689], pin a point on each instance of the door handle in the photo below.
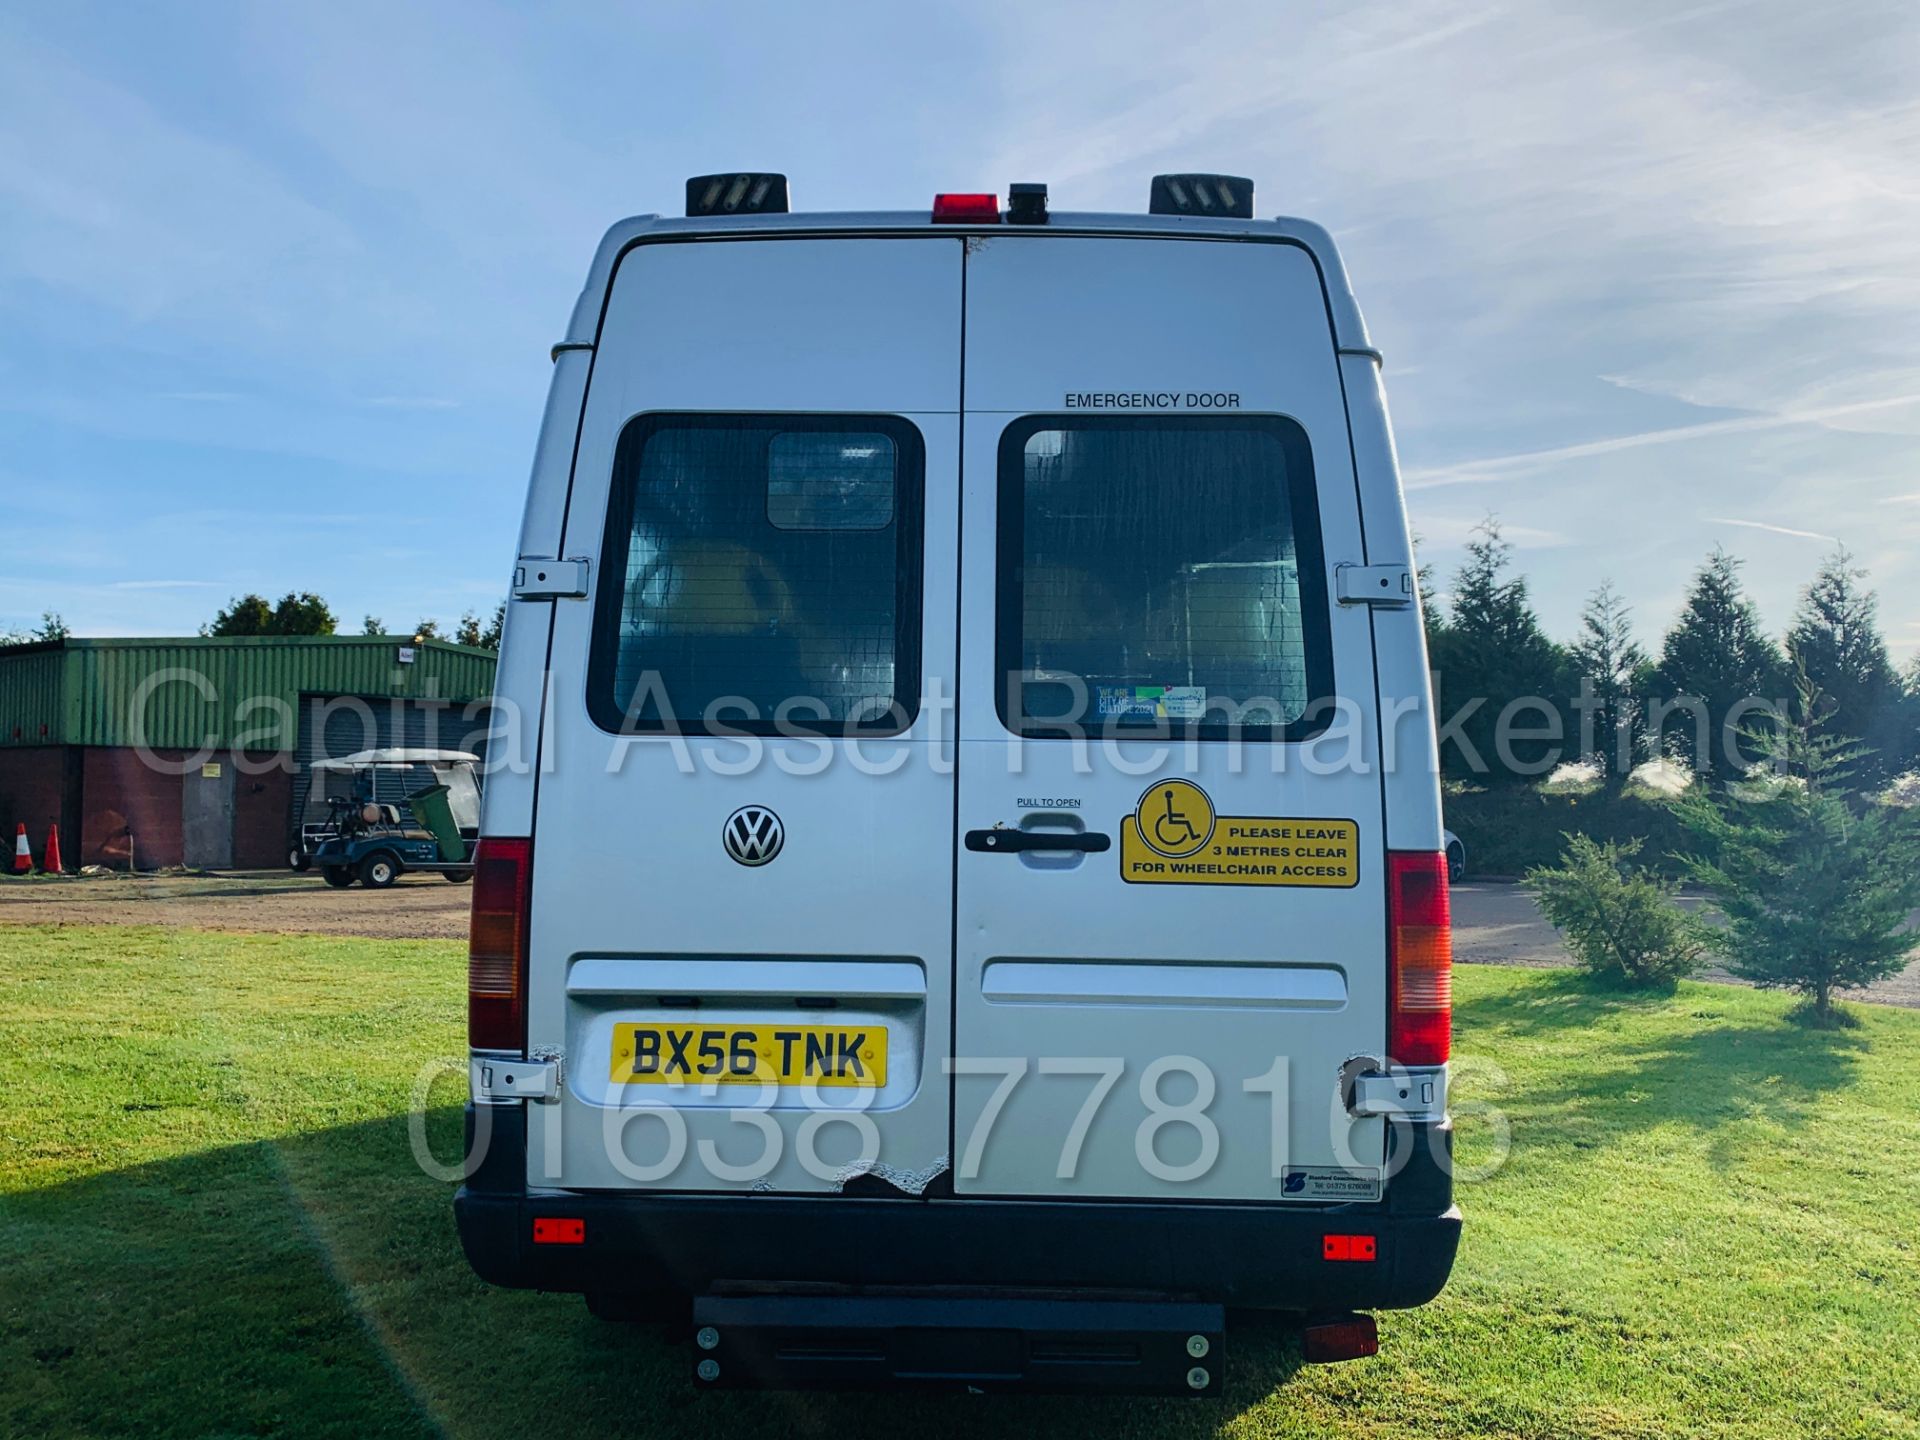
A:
[1011,842]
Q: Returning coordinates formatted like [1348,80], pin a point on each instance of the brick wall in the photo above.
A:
[262,812]
[32,785]
[120,792]
[123,792]
[97,794]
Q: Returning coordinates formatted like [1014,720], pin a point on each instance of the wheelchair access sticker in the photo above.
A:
[1174,837]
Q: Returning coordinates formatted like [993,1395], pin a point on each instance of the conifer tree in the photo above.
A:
[1715,664]
[1815,886]
[1611,668]
[1491,655]
[1835,643]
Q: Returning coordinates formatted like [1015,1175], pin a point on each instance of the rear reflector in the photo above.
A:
[497,945]
[1348,1247]
[1352,1338]
[552,1230]
[1420,958]
[966,209]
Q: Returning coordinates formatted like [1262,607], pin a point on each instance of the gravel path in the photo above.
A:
[1494,922]
[418,907]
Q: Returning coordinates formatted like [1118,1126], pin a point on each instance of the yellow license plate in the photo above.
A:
[650,1054]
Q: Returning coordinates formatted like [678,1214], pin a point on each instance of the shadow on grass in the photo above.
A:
[1634,1061]
[314,1285]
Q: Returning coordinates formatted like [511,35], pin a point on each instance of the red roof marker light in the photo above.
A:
[966,209]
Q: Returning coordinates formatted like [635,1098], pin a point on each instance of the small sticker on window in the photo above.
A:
[1151,702]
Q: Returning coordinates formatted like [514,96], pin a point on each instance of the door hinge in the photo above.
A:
[536,579]
[495,1080]
[1389,585]
[1411,1094]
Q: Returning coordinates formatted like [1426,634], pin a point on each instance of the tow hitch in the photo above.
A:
[944,1342]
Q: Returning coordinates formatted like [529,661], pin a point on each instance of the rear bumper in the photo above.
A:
[1257,1256]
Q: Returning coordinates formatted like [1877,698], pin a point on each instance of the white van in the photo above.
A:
[969,905]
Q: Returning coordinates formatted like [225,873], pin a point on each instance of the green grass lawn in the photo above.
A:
[210,1224]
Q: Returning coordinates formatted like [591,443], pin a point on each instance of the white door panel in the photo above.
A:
[1094,986]
[640,916]
[1071,317]
[870,326]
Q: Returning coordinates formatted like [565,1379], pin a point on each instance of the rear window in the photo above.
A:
[761,575]
[1161,573]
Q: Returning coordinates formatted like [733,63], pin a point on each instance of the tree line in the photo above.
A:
[298,613]
[305,613]
[1512,701]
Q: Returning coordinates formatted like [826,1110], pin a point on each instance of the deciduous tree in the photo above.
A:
[301,613]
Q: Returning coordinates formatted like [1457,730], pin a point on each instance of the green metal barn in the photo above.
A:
[191,751]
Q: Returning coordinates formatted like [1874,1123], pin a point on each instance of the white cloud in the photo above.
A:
[1564,220]
[1507,467]
[1773,529]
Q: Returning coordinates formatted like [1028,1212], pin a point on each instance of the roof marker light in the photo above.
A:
[1225,196]
[967,209]
[743,193]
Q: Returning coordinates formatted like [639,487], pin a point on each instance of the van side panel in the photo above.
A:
[508,799]
[1409,759]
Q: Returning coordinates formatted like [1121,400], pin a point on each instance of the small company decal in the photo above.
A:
[1329,1182]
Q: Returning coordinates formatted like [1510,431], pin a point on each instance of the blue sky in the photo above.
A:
[277,282]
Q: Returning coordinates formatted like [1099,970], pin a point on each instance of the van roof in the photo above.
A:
[1349,329]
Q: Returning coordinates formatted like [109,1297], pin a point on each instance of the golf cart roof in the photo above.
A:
[397,757]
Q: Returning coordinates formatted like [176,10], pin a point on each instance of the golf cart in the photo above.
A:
[374,835]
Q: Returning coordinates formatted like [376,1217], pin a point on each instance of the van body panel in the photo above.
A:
[1349,326]
[1049,319]
[987,900]
[630,860]
[1410,752]
[508,800]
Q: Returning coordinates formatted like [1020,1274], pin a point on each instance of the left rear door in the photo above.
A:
[766,478]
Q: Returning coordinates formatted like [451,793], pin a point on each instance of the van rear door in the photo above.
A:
[769,424]
[1170,903]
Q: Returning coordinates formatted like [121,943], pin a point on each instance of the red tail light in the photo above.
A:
[497,945]
[966,209]
[1419,959]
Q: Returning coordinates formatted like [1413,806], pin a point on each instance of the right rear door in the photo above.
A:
[1156,487]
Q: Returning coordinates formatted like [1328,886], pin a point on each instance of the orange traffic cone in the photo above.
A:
[22,856]
[50,860]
